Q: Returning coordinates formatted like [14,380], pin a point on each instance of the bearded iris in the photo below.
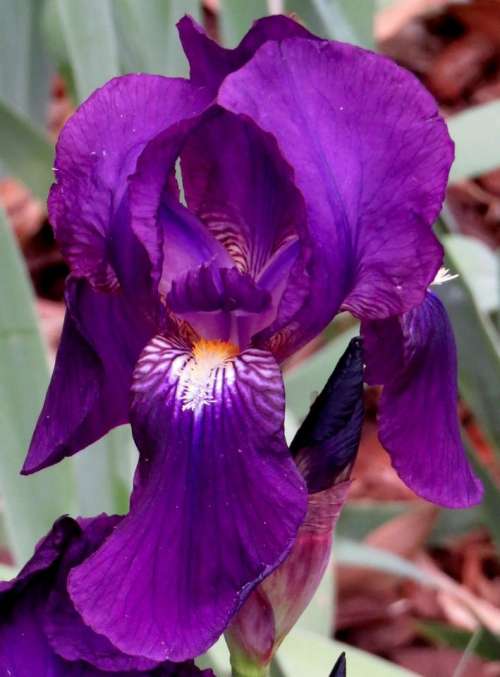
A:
[310,175]
[40,631]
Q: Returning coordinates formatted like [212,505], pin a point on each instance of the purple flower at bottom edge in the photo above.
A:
[312,172]
[40,631]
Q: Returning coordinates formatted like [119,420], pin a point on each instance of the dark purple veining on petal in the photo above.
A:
[216,505]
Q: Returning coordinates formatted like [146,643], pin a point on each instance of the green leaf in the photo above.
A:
[306,380]
[490,504]
[479,267]
[343,20]
[352,553]
[104,473]
[478,350]
[24,65]
[24,150]
[31,503]
[476,133]
[148,38]
[487,645]
[305,653]
[236,17]
[359,518]
[90,38]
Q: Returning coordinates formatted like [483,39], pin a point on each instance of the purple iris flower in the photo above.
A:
[324,449]
[310,175]
[40,631]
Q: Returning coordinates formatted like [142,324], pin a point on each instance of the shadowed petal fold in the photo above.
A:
[371,157]
[414,358]
[88,395]
[216,505]
[97,150]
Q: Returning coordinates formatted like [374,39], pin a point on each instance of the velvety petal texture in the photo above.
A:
[40,632]
[370,155]
[216,506]
[414,358]
[97,150]
[88,395]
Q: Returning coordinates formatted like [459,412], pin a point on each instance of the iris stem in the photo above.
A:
[251,671]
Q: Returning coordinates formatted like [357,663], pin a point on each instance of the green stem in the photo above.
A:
[250,670]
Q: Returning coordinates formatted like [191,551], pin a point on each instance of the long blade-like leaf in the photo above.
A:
[90,37]
[24,150]
[31,504]
[236,17]
[476,133]
[337,19]
[478,350]
[24,65]
[148,37]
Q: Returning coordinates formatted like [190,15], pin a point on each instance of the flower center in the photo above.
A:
[198,380]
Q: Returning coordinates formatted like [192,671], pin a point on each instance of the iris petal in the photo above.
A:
[216,505]
[414,357]
[238,185]
[28,645]
[96,151]
[370,155]
[210,63]
[102,338]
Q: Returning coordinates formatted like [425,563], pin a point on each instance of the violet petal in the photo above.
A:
[97,150]
[370,155]
[216,505]
[421,378]
[102,338]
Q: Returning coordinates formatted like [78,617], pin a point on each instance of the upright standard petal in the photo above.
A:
[242,190]
[88,395]
[235,218]
[216,505]
[97,150]
[414,358]
[370,155]
[210,63]
[239,186]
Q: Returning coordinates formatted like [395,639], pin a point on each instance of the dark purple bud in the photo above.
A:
[326,444]
[339,669]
